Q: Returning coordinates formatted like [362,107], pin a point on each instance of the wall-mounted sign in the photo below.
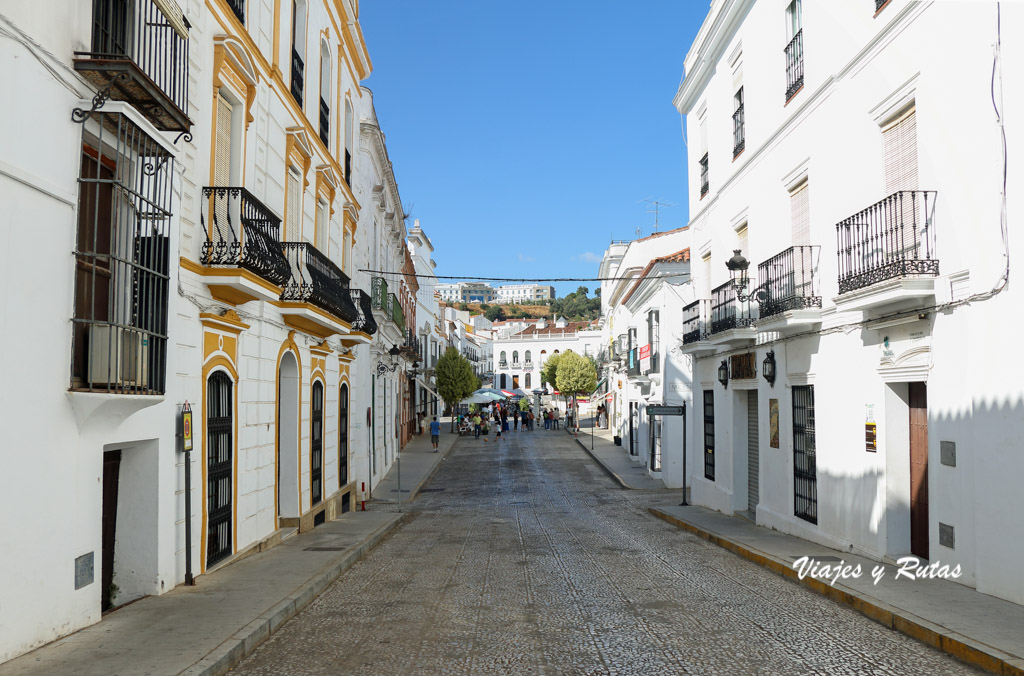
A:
[870,435]
[186,427]
[664,410]
[773,423]
[645,351]
[743,366]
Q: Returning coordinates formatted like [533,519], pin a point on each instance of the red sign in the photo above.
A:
[609,396]
[645,351]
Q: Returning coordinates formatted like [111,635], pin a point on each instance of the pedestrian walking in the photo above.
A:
[435,432]
[497,426]
[515,419]
[555,417]
[476,425]
[530,413]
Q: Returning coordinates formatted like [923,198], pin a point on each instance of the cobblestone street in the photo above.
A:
[523,557]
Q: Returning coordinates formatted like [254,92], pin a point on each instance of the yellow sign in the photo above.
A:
[186,427]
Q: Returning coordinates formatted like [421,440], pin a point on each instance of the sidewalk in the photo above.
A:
[209,628]
[615,460]
[976,628]
[418,465]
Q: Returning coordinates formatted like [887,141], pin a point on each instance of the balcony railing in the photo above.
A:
[397,314]
[879,4]
[739,139]
[704,182]
[789,281]
[317,280]
[726,310]
[238,8]
[325,123]
[242,232]
[795,64]
[365,321]
[381,299]
[892,238]
[297,74]
[527,364]
[695,321]
[503,364]
[139,55]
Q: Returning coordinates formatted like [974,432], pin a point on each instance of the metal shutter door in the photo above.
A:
[753,454]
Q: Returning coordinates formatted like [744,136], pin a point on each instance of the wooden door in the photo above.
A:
[919,470]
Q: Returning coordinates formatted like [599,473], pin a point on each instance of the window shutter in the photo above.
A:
[323,226]
[222,158]
[799,201]
[293,226]
[899,145]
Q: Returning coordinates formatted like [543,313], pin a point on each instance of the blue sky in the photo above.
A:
[525,136]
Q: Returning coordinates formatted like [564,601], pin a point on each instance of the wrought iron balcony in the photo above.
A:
[893,238]
[381,299]
[739,139]
[795,64]
[789,281]
[528,365]
[138,55]
[695,321]
[315,279]
[364,306]
[297,74]
[242,232]
[238,8]
[704,182]
[411,346]
[503,364]
[325,123]
[397,313]
[726,310]
[879,4]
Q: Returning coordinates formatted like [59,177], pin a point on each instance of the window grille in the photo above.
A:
[316,445]
[343,436]
[805,469]
[654,423]
[119,327]
[219,462]
[709,434]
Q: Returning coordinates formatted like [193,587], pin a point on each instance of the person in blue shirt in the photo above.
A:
[435,432]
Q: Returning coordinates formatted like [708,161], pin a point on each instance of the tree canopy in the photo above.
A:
[455,377]
[576,306]
[549,371]
[494,313]
[575,375]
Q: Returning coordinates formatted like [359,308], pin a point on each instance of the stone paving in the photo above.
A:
[524,557]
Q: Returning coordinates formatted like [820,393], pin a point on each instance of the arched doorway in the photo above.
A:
[343,437]
[220,463]
[288,438]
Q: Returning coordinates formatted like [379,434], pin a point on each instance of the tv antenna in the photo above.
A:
[658,204]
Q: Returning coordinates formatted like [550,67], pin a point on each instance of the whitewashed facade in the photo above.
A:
[519,358]
[823,144]
[641,309]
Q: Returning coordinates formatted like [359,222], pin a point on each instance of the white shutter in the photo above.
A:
[293,224]
[707,276]
[323,226]
[743,241]
[222,156]
[899,145]
[799,201]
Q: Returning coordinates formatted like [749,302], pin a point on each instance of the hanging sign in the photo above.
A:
[186,427]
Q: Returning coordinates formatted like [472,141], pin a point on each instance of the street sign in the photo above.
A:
[186,427]
[664,410]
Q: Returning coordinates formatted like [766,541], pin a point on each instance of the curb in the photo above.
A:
[232,651]
[608,470]
[950,642]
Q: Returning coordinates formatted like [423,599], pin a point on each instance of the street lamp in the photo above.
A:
[768,368]
[738,266]
[723,373]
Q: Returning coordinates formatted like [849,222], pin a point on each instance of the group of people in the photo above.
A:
[552,417]
[498,415]
[602,417]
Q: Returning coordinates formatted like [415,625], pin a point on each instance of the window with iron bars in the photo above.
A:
[653,338]
[704,184]
[805,466]
[739,140]
[119,327]
[709,434]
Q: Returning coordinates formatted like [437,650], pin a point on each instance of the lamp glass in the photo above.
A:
[768,367]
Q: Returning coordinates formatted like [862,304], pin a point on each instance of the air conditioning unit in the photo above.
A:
[118,357]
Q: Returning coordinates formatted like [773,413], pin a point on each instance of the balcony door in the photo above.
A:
[899,145]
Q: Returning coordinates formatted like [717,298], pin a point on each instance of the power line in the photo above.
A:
[520,279]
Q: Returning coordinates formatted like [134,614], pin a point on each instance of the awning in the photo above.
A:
[427,387]
[599,384]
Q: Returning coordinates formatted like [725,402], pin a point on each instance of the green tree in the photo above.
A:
[549,371]
[524,404]
[495,313]
[575,375]
[455,378]
[464,307]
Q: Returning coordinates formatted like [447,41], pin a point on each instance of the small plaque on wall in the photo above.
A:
[773,423]
[870,432]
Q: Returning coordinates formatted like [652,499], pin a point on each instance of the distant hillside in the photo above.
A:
[575,307]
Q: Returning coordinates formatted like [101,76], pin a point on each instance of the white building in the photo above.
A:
[524,293]
[641,308]
[201,247]
[518,358]
[432,339]
[467,292]
[861,389]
